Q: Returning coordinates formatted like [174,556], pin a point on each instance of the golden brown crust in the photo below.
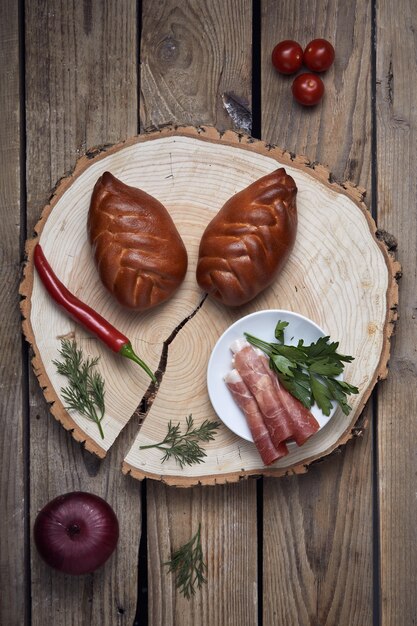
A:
[139,253]
[247,243]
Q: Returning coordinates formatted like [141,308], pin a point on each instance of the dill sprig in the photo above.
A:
[184,448]
[188,564]
[85,391]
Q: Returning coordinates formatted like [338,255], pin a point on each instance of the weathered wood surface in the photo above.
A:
[13,453]
[81,91]
[191,54]
[338,543]
[318,527]
[208,45]
[396,199]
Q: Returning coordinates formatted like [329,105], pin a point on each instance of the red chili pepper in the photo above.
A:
[84,314]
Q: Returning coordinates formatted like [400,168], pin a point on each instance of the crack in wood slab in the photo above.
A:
[144,406]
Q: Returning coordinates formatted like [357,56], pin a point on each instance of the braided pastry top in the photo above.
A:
[247,243]
[139,253]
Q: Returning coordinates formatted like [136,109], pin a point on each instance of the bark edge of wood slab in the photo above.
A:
[193,170]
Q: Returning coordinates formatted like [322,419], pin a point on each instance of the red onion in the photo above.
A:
[76,533]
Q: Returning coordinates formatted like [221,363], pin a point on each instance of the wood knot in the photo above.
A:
[168,50]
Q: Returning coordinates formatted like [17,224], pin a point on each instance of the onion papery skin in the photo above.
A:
[76,533]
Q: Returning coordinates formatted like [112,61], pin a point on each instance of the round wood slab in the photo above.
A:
[339,274]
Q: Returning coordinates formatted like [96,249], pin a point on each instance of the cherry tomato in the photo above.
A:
[308,89]
[318,55]
[287,56]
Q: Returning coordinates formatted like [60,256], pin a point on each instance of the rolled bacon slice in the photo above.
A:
[304,422]
[247,403]
[285,416]
[251,366]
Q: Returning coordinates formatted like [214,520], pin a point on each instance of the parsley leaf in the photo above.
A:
[310,372]
[279,331]
[282,364]
[321,394]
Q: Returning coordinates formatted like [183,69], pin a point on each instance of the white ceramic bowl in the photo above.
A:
[260,324]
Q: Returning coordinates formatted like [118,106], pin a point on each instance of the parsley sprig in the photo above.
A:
[309,372]
[184,448]
[188,564]
[85,391]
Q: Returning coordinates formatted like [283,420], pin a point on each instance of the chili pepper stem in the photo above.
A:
[129,353]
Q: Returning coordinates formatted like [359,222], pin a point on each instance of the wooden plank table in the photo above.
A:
[336,546]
